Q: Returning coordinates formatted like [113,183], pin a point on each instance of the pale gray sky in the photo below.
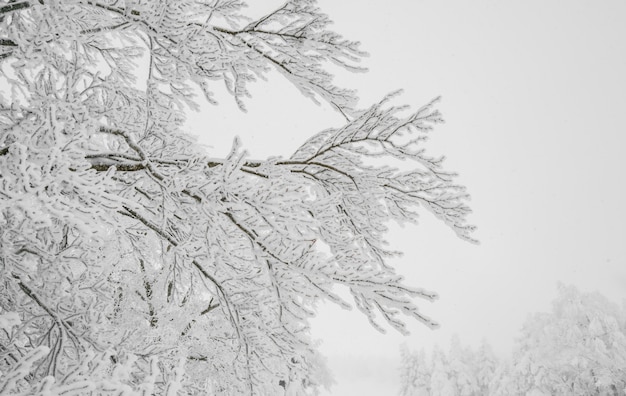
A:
[534,95]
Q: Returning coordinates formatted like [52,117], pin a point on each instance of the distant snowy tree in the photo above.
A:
[463,369]
[501,384]
[486,365]
[441,383]
[456,373]
[134,263]
[578,348]
[415,373]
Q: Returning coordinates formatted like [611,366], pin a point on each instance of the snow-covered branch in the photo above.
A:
[134,262]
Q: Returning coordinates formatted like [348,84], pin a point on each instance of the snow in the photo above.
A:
[8,320]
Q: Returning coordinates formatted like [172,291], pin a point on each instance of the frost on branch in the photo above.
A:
[139,263]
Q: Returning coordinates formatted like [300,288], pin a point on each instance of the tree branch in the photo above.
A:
[8,43]
[63,326]
[148,288]
[101,162]
[16,7]
[163,234]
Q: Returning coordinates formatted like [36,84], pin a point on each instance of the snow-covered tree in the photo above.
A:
[578,348]
[501,384]
[463,369]
[458,372]
[415,373]
[441,381]
[486,365]
[133,262]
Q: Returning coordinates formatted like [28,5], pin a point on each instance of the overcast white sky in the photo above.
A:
[534,95]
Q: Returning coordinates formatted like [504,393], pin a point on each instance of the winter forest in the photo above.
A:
[579,348]
[135,263]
